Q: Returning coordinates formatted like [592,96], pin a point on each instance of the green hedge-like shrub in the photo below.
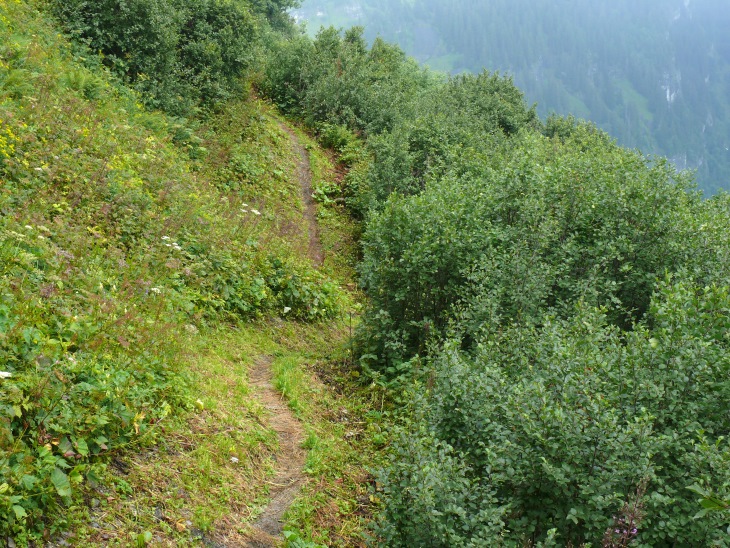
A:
[561,424]
[178,53]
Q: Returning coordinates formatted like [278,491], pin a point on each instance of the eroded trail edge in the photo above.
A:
[304,175]
[290,459]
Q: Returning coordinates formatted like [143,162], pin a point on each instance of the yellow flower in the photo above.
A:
[7,142]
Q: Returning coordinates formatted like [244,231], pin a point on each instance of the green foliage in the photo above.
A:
[561,392]
[564,421]
[294,540]
[113,244]
[275,12]
[553,224]
[432,498]
[468,120]
[301,293]
[338,80]
[177,53]
[350,148]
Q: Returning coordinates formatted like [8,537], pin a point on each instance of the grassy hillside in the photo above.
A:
[546,313]
[131,242]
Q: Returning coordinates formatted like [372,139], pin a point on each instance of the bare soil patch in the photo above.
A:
[290,459]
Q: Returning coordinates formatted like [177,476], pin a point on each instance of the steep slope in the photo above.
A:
[127,240]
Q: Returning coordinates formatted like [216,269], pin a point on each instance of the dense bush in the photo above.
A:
[554,223]
[468,119]
[178,53]
[561,392]
[434,499]
[337,79]
[560,424]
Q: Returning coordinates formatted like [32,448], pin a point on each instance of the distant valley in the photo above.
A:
[654,75]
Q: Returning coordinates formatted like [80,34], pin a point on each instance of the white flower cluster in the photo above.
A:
[173,245]
[254,211]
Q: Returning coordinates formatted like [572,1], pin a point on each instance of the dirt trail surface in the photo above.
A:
[289,462]
[304,175]
[268,528]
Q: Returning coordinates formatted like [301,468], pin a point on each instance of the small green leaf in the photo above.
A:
[713,503]
[20,512]
[28,481]
[82,447]
[65,446]
[143,539]
[697,489]
[61,482]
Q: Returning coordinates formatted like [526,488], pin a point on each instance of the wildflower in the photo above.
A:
[255,212]
[156,290]
[165,238]
[29,227]
[287,309]
[234,460]
[5,375]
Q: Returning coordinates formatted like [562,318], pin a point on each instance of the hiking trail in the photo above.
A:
[285,485]
[304,175]
[268,528]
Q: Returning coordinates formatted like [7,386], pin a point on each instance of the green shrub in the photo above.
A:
[302,293]
[88,375]
[551,225]
[468,120]
[432,499]
[177,53]
[561,423]
[337,80]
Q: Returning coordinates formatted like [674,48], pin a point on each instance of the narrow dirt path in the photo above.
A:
[304,175]
[290,460]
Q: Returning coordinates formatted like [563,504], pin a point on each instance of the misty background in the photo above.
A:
[654,74]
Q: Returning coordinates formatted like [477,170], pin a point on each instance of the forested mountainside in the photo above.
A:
[541,352]
[654,74]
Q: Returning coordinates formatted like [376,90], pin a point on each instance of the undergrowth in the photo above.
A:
[206,478]
[120,233]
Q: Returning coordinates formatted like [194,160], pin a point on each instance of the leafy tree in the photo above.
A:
[178,53]
[547,225]
[337,79]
